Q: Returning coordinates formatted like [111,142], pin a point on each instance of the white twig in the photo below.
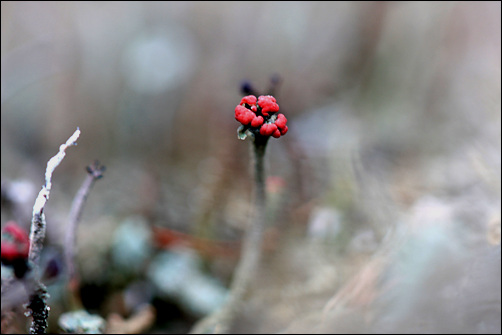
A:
[38,299]
[37,233]
[43,196]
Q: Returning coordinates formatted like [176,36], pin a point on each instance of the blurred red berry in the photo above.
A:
[15,248]
[10,251]
[18,233]
[15,242]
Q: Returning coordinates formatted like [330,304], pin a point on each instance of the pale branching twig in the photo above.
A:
[37,304]
[37,234]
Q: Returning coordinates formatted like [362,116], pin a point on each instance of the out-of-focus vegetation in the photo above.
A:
[384,196]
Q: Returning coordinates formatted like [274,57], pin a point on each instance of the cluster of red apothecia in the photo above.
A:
[260,114]
[15,248]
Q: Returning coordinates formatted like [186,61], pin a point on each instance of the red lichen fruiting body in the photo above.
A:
[281,121]
[15,242]
[267,104]
[18,233]
[249,99]
[268,129]
[276,133]
[257,121]
[284,130]
[243,115]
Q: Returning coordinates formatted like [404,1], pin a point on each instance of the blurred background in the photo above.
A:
[383,198]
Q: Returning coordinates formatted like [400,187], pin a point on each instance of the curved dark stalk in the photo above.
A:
[95,172]
[220,322]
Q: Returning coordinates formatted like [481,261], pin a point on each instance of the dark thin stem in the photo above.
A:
[221,321]
[75,214]
[251,249]
[95,171]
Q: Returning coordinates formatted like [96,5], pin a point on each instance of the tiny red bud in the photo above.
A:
[15,242]
[257,121]
[276,133]
[267,104]
[249,99]
[284,130]
[268,129]
[281,121]
[243,115]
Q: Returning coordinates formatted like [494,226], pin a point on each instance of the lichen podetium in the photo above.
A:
[259,120]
